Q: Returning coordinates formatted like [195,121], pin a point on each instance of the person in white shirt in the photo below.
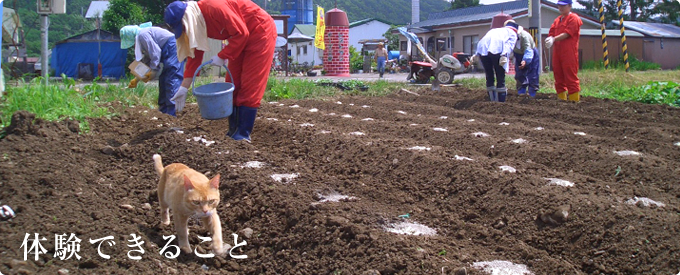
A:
[494,50]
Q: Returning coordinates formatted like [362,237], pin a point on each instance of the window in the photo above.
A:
[430,46]
[441,44]
[304,50]
[404,46]
[298,50]
[470,44]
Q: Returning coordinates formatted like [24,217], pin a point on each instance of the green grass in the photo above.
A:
[614,84]
[295,88]
[63,99]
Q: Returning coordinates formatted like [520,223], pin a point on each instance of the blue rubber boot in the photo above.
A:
[245,120]
[501,94]
[232,121]
[492,93]
[522,90]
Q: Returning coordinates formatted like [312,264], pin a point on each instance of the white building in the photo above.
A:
[304,51]
[370,28]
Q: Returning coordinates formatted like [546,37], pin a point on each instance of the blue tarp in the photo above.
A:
[66,57]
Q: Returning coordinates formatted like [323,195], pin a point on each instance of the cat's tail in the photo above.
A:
[158,164]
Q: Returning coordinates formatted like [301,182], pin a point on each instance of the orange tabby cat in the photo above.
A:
[189,193]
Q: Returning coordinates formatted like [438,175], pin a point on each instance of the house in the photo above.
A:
[459,30]
[78,56]
[370,28]
[301,51]
[660,42]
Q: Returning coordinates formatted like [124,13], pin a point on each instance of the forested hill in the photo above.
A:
[394,11]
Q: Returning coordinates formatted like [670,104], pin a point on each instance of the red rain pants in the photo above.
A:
[251,34]
[565,53]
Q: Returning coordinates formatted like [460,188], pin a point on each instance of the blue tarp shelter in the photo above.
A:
[85,49]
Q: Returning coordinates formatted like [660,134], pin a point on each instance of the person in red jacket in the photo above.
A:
[251,39]
[564,34]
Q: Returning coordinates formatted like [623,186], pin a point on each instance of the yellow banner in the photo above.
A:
[320,28]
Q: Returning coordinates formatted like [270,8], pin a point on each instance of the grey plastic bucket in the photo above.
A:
[215,100]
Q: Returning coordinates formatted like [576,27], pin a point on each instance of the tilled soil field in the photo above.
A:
[441,183]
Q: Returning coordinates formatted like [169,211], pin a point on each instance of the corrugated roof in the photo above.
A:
[91,36]
[97,9]
[308,30]
[652,29]
[364,21]
[483,13]
[497,8]
[472,14]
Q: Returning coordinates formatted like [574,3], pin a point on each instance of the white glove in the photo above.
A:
[474,59]
[217,61]
[503,61]
[549,42]
[180,98]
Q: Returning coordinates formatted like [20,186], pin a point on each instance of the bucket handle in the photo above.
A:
[193,80]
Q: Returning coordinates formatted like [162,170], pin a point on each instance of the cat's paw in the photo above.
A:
[221,249]
[187,249]
[165,223]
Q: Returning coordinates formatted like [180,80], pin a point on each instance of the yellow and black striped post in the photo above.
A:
[624,48]
[605,53]
[534,34]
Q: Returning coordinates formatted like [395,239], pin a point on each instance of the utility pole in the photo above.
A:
[44,60]
[45,8]
[535,28]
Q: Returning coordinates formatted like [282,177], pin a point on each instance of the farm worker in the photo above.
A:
[564,34]
[494,50]
[251,35]
[527,65]
[381,58]
[153,46]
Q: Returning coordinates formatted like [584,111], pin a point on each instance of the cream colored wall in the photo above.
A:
[548,15]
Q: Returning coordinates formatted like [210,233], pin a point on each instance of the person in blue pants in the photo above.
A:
[153,46]
[381,58]
[526,62]
[494,50]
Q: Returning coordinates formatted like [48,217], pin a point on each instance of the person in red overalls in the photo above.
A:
[564,33]
[251,35]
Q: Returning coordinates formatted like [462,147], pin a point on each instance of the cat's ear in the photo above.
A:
[187,184]
[215,182]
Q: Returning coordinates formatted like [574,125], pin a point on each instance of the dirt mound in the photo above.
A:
[401,184]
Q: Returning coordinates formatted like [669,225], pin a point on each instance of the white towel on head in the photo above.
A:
[195,34]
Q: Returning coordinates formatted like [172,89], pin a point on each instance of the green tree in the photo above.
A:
[392,39]
[641,10]
[153,9]
[611,11]
[121,13]
[669,11]
[459,4]
[61,27]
